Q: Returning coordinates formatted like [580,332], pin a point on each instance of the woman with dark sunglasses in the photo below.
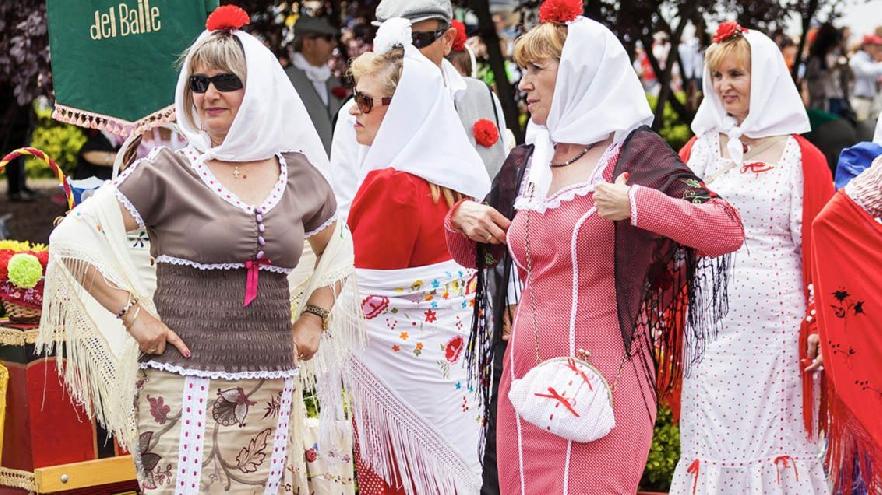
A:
[197,377]
[418,423]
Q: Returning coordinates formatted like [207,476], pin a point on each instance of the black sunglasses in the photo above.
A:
[222,82]
[365,103]
[422,39]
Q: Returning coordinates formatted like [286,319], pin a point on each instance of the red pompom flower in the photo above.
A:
[727,31]
[460,40]
[486,133]
[227,17]
[560,11]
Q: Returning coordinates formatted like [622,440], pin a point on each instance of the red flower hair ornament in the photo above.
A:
[485,132]
[727,31]
[227,17]
[460,40]
[560,11]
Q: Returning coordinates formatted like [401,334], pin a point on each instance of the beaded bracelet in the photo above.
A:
[129,303]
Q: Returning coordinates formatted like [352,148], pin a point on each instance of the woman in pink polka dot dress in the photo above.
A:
[742,409]
[619,208]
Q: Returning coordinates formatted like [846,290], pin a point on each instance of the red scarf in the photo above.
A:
[848,276]
[817,190]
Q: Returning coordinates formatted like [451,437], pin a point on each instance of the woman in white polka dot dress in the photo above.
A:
[745,426]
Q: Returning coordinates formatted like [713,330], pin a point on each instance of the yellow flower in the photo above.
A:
[404,336]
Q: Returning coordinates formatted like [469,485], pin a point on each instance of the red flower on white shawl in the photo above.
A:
[727,31]
[454,349]
[485,132]
[560,11]
[227,17]
[373,306]
[431,316]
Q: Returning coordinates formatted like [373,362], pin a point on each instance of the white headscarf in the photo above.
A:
[271,119]
[776,108]
[597,93]
[877,137]
[421,133]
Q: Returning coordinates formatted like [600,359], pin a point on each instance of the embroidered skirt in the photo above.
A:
[199,435]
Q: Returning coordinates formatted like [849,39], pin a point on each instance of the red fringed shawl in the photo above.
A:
[848,277]
[817,190]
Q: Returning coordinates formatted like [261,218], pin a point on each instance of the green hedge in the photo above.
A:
[663,455]
[60,141]
[675,132]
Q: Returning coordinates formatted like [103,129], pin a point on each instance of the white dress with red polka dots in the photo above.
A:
[741,429]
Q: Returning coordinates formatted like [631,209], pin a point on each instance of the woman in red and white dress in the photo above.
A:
[747,407]
[417,419]
[605,213]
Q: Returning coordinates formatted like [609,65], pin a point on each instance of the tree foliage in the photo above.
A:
[24,49]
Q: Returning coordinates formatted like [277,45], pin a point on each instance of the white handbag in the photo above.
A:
[565,396]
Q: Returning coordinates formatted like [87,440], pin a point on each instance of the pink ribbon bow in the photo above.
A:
[252,267]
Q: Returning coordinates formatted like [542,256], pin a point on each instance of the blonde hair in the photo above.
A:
[544,41]
[386,67]
[737,47]
[221,51]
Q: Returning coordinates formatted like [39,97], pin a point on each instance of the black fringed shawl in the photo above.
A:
[669,299]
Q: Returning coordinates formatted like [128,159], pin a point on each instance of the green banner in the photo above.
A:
[114,62]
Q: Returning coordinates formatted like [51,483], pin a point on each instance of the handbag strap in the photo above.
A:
[581,354]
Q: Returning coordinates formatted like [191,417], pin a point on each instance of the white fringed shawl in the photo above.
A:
[102,359]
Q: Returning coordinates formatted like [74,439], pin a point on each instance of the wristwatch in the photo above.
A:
[322,313]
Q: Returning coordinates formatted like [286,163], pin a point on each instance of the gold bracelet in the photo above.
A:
[128,325]
[322,313]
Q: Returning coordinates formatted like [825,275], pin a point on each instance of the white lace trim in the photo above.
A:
[572,191]
[123,200]
[632,196]
[131,168]
[323,226]
[218,266]
[221,375]
[219,189]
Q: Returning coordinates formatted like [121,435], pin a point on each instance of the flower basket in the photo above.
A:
[21,286]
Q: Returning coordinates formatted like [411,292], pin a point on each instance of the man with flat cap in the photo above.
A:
[314,42]
[433,35]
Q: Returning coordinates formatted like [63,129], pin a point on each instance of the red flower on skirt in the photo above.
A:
[486,133]
[311,455]
[431,316]
[453,349]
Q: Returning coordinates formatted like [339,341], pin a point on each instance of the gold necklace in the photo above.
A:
[237,174]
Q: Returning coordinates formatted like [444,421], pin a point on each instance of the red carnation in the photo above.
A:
[340,92]
[560,11]
[460,40]
[728,30]
[227,17]
[486,133]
